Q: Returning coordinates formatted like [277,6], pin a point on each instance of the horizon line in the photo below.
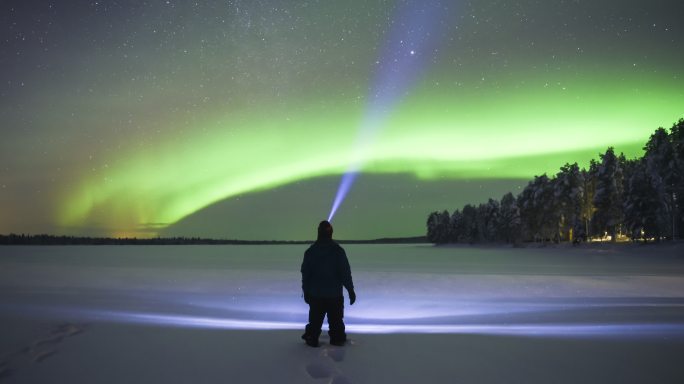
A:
[78,239]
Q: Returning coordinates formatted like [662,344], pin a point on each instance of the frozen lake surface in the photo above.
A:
[600,297]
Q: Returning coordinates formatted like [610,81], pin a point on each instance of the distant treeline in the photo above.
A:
[637,198]
[23,239]
[14,239]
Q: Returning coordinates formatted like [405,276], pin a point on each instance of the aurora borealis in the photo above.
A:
[131,117]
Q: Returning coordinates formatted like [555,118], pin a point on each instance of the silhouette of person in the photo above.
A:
[325,270]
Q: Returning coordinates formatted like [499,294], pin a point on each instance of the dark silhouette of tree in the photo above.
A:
[608,197]
[537,209]
[642,206]
[587,208]
[456,226]
[488,220]
[677,140]
[438,225]
[662,171]
[469,228]
[569,194]
[508,229]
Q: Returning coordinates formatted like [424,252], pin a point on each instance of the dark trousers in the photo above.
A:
[334,308]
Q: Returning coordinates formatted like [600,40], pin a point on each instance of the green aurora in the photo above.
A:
[127,128]
[433,135]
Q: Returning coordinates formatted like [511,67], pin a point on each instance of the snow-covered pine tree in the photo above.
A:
[469,233]
[487,217]
[456,225]
[677,140]
[661,169]
[569,193]
[438,228]
[642,206]
[508,229]
[588,209]
[608,196]
[537,209]
[492,213]
[527,212]
[433,227]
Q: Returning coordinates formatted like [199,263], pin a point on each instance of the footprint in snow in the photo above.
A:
[339,379]
[38,355]
[322,369]
[40,349]
[4,370]
[319,370]
[336,354]
[43,348]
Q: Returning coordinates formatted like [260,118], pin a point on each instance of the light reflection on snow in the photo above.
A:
[381,309]
[580,329]
[558,330]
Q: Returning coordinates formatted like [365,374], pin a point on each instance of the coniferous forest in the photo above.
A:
[615,198]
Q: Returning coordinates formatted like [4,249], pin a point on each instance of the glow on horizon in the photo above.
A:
[432,134]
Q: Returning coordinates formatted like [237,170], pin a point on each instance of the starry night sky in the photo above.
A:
[236,119]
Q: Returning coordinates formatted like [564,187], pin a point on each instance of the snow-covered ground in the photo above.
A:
[424,314]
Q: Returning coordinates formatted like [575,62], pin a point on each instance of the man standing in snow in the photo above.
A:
[325,270]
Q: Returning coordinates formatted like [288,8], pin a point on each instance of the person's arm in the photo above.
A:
[347,280]
[306,275]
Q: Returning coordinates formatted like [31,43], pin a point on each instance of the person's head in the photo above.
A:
[325,230]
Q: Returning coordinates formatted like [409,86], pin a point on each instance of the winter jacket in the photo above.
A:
[325,270]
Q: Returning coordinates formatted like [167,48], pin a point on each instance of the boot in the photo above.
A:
[310,341]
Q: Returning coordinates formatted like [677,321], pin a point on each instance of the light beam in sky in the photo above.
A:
[410,44]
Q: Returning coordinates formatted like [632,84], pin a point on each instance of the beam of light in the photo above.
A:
[345,185]
[410,45]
